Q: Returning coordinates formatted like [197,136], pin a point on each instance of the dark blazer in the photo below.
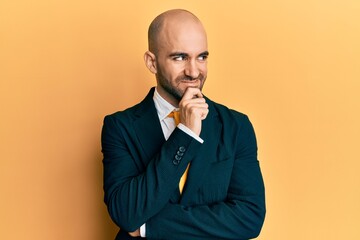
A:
[224,194]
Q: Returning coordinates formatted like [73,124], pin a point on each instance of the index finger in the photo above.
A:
[191,93]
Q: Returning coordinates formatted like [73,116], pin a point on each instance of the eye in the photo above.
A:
[179,58]
[202,57]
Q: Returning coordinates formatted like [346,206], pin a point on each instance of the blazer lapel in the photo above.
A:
[149,132]
[208,153]
[147,127]
[150,136]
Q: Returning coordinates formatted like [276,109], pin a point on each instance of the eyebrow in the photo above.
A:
[176,54]
[206,53]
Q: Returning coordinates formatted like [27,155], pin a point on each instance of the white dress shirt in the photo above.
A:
[163,109]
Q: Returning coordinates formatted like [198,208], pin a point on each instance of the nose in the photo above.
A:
[192,70]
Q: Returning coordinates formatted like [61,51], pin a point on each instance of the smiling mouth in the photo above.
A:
[190,81]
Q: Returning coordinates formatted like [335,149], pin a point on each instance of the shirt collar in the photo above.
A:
[163,108]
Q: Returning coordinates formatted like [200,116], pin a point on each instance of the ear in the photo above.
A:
[150,61]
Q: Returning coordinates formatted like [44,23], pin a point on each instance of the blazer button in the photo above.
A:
[182,149]
[176,162]
[180,153]
[178,158]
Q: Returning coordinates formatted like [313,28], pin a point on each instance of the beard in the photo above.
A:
[174,91]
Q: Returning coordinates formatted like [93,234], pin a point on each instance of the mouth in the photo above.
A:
[191,82]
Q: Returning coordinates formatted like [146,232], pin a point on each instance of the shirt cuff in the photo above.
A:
[143,230]
[189,132]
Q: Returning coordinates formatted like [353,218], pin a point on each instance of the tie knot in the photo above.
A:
[176,116]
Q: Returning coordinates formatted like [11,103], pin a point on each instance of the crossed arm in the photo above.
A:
[136,195]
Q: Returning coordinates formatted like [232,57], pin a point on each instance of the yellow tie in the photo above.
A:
[176,116]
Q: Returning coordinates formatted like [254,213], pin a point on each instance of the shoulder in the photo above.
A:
[127,113]
[145,107]
[124,119]
[118,124]
[228,115]
[236,126]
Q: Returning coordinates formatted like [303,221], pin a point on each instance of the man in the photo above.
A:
[199,179]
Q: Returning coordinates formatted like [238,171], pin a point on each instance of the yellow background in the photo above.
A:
[292,66]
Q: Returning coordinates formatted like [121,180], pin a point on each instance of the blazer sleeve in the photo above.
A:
[134,195]
[240,216]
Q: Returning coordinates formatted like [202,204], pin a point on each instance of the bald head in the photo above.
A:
[168,21]
[177,54]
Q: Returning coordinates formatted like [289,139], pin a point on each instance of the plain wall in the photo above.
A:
[292,66]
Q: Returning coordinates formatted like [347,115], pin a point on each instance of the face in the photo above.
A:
[181,60]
